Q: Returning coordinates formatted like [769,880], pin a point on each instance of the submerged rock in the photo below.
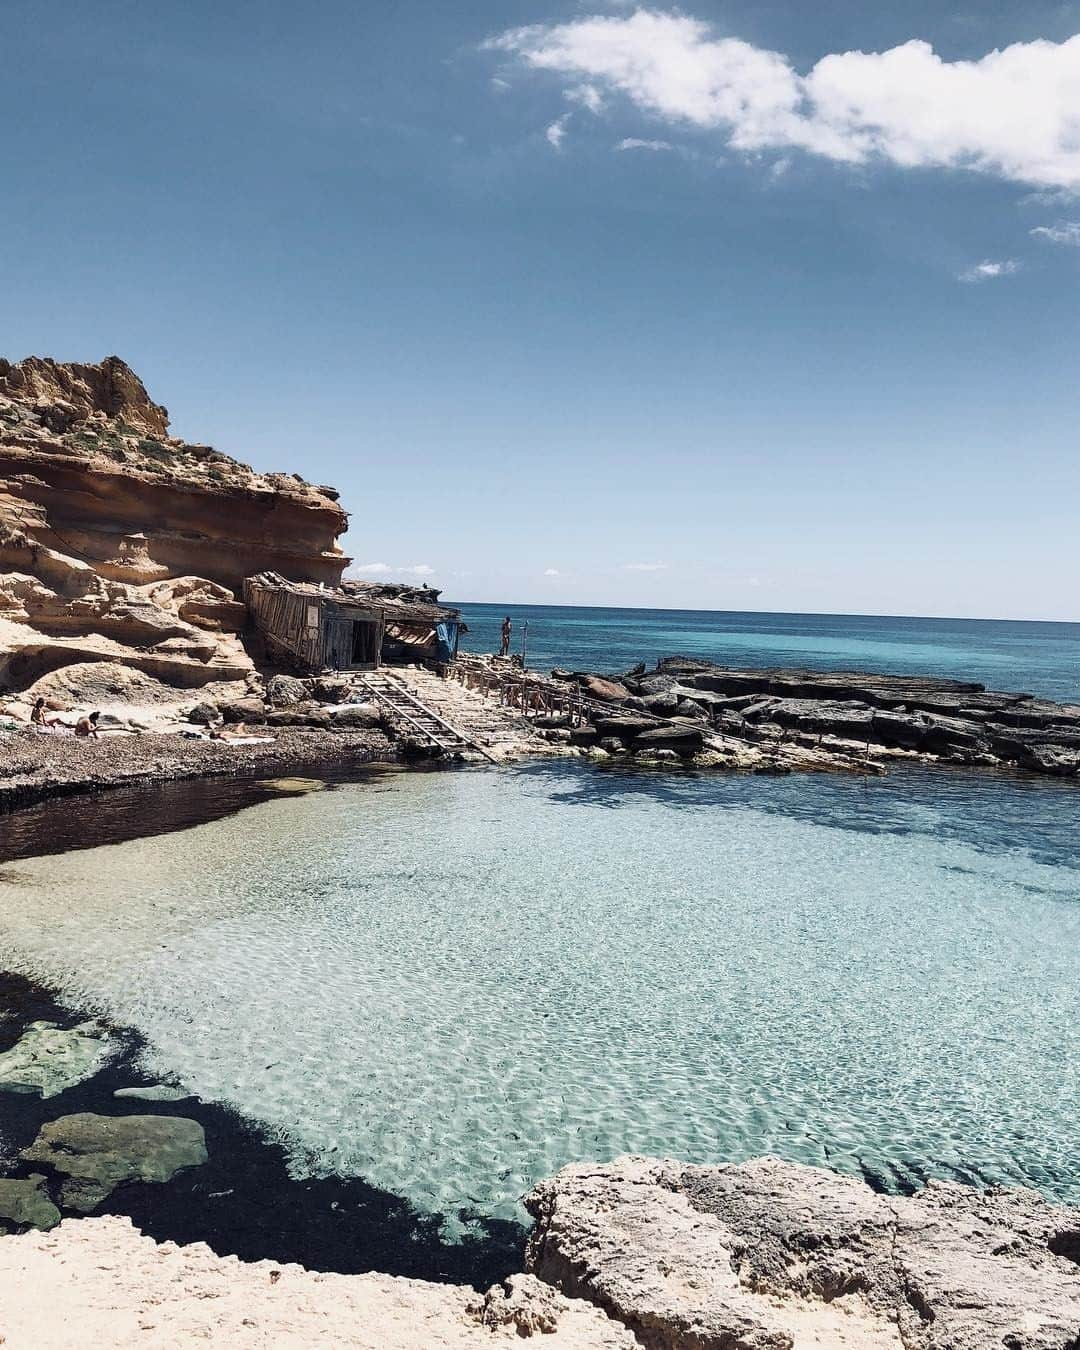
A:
[99,1153]
[768,1255]
[48,1058]
[26,1204]
[293,786]
[155,1092]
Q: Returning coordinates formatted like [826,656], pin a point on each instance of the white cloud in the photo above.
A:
[556,132]
[381,569]
[552,572]
[1064,232]
[587,95]
[645,567]
[1014,113]
[988,270]
[633,143]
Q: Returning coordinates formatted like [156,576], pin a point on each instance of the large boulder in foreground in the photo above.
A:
[98,1153]
[768,1255]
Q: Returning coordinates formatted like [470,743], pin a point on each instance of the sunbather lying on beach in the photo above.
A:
[230,733]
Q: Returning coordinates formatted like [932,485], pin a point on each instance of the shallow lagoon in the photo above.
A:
[450,984]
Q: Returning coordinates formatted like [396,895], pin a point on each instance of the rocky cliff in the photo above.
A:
[121,543]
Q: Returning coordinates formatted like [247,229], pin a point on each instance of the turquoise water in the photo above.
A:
[1040,658]
[450,984]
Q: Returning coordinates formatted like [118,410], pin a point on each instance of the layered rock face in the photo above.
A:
[120,543]
[768,1255]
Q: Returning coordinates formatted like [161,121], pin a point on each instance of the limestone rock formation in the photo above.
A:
[762,1255]
[119,543]
[768,1255]
[98,1153]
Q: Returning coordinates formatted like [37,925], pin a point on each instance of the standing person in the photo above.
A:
[507,630]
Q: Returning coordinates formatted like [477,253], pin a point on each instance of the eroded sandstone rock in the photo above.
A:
[768,1255]
[119,543]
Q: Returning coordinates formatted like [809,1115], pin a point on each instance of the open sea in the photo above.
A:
[443,986]
[1040,658]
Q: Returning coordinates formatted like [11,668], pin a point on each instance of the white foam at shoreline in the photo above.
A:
[452,984]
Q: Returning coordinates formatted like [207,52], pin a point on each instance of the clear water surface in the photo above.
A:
[450,984]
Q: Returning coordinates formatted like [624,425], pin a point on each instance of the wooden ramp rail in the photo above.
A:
[424,722]
[516,688]
[536,694]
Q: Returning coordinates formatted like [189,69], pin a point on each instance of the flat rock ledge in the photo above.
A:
[100,1282]
[769,1255]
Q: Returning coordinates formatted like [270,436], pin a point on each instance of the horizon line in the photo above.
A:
[789,613]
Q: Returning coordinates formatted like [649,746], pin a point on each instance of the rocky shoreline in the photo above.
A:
[782,720]
[38,768]
[111,1195]
[761,1255]
[685,713]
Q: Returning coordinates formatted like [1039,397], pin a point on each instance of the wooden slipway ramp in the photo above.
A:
[451,720]
[447,719]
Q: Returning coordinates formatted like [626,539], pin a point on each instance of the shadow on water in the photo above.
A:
[243,1201]
[994,813]
[141,811]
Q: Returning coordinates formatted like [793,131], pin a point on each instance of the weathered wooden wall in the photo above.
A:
[312,632]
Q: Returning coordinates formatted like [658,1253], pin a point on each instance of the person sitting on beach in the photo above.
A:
[507,629]
[37,715]
[88,726]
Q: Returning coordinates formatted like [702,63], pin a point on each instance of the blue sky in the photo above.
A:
[587,303]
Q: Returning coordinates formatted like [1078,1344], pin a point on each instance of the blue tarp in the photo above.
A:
[446,640]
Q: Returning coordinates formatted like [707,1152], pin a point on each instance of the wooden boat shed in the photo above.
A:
[358,626]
